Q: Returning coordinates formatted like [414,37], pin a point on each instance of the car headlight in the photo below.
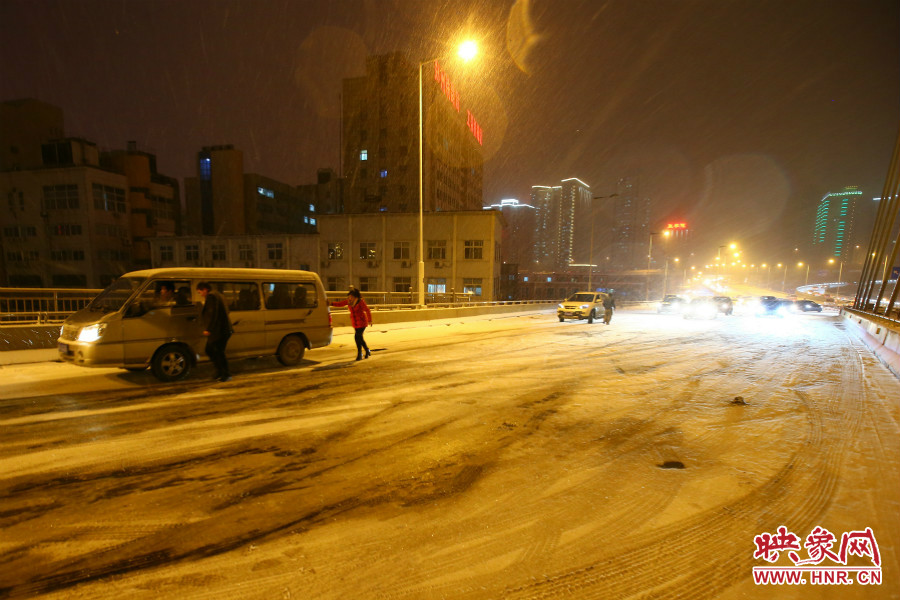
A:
[583,306]
[560,306]
[91,333]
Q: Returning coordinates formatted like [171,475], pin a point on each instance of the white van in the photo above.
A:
[151,319]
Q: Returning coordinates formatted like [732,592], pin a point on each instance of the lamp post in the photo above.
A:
[800,264]
[784,278]
[591,254]
[467,51]
[840,274]
[649,255]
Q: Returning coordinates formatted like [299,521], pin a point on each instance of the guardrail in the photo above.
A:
[47,306]
[24,306]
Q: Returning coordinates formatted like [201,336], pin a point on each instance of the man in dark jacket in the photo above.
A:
[216,327]
[609,303]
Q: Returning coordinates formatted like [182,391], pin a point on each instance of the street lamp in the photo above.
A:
[800,264]
[840,273]
[784,278]
[591,255]
[467,51]
[649,254]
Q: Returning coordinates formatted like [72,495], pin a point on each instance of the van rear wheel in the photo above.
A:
[291,350]
[171,363]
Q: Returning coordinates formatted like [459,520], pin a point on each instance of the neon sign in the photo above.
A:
[677,226]
[452,94]
[446,85]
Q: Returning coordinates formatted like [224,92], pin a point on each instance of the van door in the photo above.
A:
[244,307]
[162,313]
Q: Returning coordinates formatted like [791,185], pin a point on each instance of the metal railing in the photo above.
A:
[25,306]
[28,306]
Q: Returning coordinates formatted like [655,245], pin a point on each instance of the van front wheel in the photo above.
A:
[171,363]
[291,350]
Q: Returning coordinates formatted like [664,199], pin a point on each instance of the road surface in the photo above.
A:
[504,457]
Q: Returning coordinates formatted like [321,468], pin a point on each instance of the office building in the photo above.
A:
[380,140]
[517,244]
[75,216]
[224,201]
[628,238]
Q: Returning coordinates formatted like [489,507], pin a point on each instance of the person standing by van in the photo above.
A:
[216,327]
[360,318]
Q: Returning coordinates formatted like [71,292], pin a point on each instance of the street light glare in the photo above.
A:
[468,50]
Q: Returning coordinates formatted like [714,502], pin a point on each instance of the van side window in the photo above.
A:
[239,295]
[300,294]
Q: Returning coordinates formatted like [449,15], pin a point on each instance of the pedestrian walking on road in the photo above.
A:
[216,327]
[609,304]
[360,318]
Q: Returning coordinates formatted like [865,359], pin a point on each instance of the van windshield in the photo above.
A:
[114,297]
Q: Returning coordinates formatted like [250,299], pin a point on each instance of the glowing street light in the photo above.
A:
[467,51]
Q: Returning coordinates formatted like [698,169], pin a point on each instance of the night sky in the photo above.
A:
[737,116]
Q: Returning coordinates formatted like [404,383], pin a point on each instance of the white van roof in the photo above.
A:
[220,273]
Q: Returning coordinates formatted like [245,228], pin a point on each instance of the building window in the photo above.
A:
[472,286]
[436,286]
[367,251]
[363,155]
[312,208]
[20,231]
[67,255]
[437,250]
[275,250]
[191,252]
[108,198]
[335,250]
[218,252]
[245,252]
[368,284]
[205,169]
[60,196]
[383,173]
[402,284]
[166,253]
[265,192]
[22,255]
[335,284]
[401,250]
[474,249]
[67,229]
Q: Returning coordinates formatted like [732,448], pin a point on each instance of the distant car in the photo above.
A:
[807,306]
[724,304]
[581,305]
[770,306]
[701,308]
[671,304]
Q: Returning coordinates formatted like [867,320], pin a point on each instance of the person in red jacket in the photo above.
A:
[360,318]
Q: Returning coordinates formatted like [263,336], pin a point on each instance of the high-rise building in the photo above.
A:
[834,223]
[562,224]
[577,194]
[223,200]
[629,235]
[517,241]
[547,227]
[380,140]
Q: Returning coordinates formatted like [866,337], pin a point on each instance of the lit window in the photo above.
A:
[363,155]
[383,173]
[312,208]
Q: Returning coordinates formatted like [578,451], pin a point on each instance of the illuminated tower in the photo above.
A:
[834,222]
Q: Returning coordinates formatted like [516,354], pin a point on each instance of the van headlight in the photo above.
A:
[91,333]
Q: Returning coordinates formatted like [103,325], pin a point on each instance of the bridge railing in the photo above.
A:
[23,306]
[26,306]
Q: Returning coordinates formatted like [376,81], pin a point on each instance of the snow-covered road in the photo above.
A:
[513,457]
